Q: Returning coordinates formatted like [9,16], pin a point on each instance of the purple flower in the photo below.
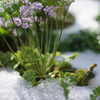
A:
[46,18]
[47,9]
[8,4]
[17,21]
[24,19]
[28,4]
[7,23]
[25,13]
[30,11]
[57,7]
[50,10]
[2,19]
[1,9]
[22,9]
[25,25]
[24,1]
[51,13]
[31,19]
[1,23]
[37,5]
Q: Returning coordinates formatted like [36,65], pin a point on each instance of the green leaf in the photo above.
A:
[96,93]
[5,57]
[3,31]
[29,76]
[79,73]
[66,80]
[68,58]
[28,55]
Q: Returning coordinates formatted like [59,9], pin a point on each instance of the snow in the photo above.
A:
[13,87]
[85,13]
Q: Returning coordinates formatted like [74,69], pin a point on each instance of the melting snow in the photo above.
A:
[85,13]
[13,87]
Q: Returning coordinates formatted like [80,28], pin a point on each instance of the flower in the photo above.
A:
[2,21]
[16,1]
[47,9]
[22,9]
[30,11]
[17,21]
[7,23]
[25,13]
[1,2]
[50,10]
[37,5]
[57,7]
[8,4]
[25,25]
[1,9]
[24,1]
[51,13]
[27,4]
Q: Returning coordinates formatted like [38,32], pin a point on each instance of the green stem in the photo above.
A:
[46,37]
[11,48]
[41,40]
[37,35]
[50,34]
[30,60]
[17,33]
[56,32]
[52,59]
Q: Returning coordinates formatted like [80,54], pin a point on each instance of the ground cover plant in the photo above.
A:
[96,93]
[81,41]
[29,60]
[26,17]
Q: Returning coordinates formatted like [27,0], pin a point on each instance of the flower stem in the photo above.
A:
[11,49]
[46,37]
[52,59]
[41,40]
[56,32]
[37,36]
[50,34]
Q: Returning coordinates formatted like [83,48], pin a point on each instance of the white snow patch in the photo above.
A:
[13,87]
[85,13]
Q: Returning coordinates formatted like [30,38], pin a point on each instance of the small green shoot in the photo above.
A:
[96,93]
[66,80]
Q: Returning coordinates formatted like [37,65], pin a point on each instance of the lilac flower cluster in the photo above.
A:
[37,5]
[41,23]
[2,20]
[17,21]
[8,4]
[25,22]
[1,9]
[26,13]
[3,23]
[24,1]
[66,3]
[29,9]
[50,10]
